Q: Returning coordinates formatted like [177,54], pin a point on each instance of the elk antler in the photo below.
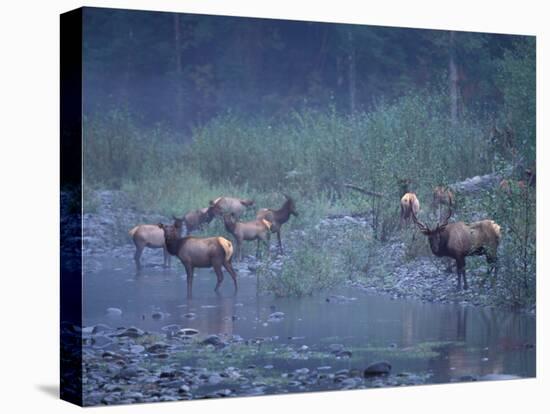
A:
[423,228]
[446,221]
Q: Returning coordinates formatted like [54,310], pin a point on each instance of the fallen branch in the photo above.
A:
[363,190]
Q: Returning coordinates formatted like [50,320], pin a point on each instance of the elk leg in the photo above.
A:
[229,267]
[137,255]
[279,241]
[166,257]
[189,272]
[460,266]
[239,248]
[219,275]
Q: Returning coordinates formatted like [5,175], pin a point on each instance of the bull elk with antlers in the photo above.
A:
[459,240]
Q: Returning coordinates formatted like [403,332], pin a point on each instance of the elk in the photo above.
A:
[251,230]
[149,235]
[409,204]
[199,252]
[442,196]
[278,217]
[458,240]
[235,206]
[195,219]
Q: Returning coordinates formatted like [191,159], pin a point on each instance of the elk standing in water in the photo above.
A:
[195,219]
[149,235]
[235,206]
[409,205]
[199,252]
[251,230]
[278,217]
[459,240]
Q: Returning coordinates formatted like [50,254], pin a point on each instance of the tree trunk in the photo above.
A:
[453,79]
[351,73]
[178,77]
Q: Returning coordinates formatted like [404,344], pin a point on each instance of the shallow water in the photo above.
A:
[445,341]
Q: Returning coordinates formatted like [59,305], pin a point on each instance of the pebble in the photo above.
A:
[114,312]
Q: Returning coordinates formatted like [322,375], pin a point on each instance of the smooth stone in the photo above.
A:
[190,315]
[301,371]
[137,349]
[113,311]
[377,368]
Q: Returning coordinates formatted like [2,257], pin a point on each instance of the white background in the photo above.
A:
[29,152]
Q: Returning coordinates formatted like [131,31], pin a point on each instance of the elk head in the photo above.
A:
[434,235]
[291,205]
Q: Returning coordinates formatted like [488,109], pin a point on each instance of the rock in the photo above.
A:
[190,315]
[188,332]
[212,340]
[342,354]
[137,349]
[184,389]
[128,372]
[157,347]
[113,311]
[301,371]
[157,315]
[101,341]
[168,373]
[276,316]
[99,328]
[377,368]
[335,347]
[215,379]
[131,332]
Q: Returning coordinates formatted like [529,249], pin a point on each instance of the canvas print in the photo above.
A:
[260,206]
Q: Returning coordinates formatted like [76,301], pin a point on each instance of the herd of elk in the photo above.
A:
[456,240]
[212,252]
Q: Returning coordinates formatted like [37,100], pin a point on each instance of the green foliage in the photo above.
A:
[307,271]
[515,212]
[516,78]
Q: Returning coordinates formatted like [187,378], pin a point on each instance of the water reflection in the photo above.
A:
[468,340]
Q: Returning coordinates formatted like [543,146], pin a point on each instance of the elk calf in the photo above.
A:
[149,235]
[409,205]
[199,252]
[278,217]
[235,206]
[459,240]
[251,230]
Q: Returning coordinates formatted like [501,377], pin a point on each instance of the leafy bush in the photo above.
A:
[515,212]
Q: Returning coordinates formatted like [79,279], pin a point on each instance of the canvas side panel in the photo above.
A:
[71,206]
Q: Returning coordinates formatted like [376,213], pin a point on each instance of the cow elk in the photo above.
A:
[458,240]
[258,230]
[409,205]
[195,219]
[199,252]
[278,217]
[442,197]
[149,235]
[235,206]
